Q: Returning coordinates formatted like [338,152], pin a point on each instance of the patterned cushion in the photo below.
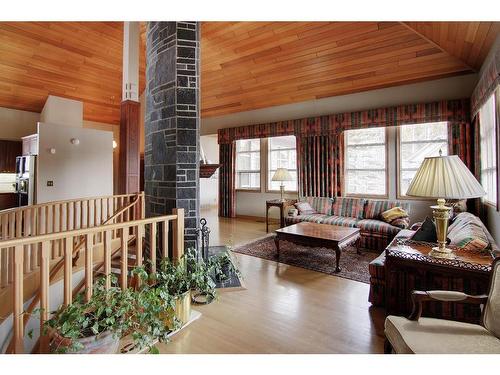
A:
[370,225]
[322,205]
[374,208]
[393,214]
[467,232]
[305,208]
[314,218]
[402,222]
[339,220]
[348,207]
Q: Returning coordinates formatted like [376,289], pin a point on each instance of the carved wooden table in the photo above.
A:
[408,267]
[318,235]
[281,204]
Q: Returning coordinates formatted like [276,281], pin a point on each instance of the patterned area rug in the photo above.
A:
[352,265]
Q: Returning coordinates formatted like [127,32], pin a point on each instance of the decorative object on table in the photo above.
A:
[426,232]
[281,204]
[353,265]
[282,175]
[444,177]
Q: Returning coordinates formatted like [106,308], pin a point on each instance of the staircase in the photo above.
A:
[45,244]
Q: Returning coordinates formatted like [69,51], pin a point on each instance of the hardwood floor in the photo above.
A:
[284,309]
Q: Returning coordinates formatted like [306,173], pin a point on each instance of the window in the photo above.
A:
[248,164]
[417,142]
[487,123]
[282,153]
[365,162]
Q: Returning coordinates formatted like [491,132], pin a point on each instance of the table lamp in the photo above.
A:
[282,174]
[444,177]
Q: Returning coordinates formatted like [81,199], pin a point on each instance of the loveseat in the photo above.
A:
[463,225]
[364,214]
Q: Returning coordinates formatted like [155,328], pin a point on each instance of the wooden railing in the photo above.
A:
[96,238]
[59,216]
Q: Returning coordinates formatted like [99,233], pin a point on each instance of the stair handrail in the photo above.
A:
[123,228]
[57,267]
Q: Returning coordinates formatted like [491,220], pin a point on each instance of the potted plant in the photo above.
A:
[97,325]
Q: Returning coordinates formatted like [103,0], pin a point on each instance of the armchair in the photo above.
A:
[417,335]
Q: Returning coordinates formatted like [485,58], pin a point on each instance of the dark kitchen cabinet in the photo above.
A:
[9,150]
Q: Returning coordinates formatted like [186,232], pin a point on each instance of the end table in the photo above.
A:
[408,267]
[281,204]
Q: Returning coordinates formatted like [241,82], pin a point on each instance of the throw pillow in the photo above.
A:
[401,222]
[393,213]
[469,235]
[305,208]
[426,232]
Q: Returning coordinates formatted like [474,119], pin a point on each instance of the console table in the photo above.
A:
[409,267]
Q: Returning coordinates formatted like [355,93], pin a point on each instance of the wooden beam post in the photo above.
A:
[178,229]
[18,299]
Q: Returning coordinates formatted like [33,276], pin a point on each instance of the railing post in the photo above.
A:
[107,258]
[44,292]
[178,240]
[68,270]
[139,241]
[143,206]
[152,246]
[89,266]
[124,258]
[18,299]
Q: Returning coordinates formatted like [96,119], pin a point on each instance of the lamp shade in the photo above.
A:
[282,174]
[445,177]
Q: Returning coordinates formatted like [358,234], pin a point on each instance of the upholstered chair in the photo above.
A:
[428,335]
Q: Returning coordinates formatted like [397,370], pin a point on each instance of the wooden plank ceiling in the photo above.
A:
[244,65]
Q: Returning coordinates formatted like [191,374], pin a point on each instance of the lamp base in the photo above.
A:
[445,253]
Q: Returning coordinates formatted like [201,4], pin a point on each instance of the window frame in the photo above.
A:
[268,190]
[496,141]
[400,196]
[344,167]
[248,190]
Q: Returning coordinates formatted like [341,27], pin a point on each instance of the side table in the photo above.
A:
[281,204]
[408,267]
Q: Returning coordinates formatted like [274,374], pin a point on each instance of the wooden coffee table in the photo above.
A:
[318,235]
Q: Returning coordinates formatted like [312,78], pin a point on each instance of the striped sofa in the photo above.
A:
[352,212]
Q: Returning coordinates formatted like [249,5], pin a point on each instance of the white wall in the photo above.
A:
[62,111]
[77,171]
[15,124]
[209,187]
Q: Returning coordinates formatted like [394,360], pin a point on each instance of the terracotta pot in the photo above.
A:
[104,343]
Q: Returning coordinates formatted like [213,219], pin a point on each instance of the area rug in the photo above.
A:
[353,266]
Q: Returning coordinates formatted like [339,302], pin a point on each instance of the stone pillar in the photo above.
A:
[129,159]
[171,155]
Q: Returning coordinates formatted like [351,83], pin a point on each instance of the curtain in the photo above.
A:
[227,192]
[317,163]
[320,143]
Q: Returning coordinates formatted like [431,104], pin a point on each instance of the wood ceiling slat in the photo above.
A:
[244,65]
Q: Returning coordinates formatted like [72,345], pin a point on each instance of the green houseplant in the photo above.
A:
[191,274]
[96,325]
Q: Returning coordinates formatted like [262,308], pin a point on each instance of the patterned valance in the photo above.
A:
[488,82]
[455,111]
